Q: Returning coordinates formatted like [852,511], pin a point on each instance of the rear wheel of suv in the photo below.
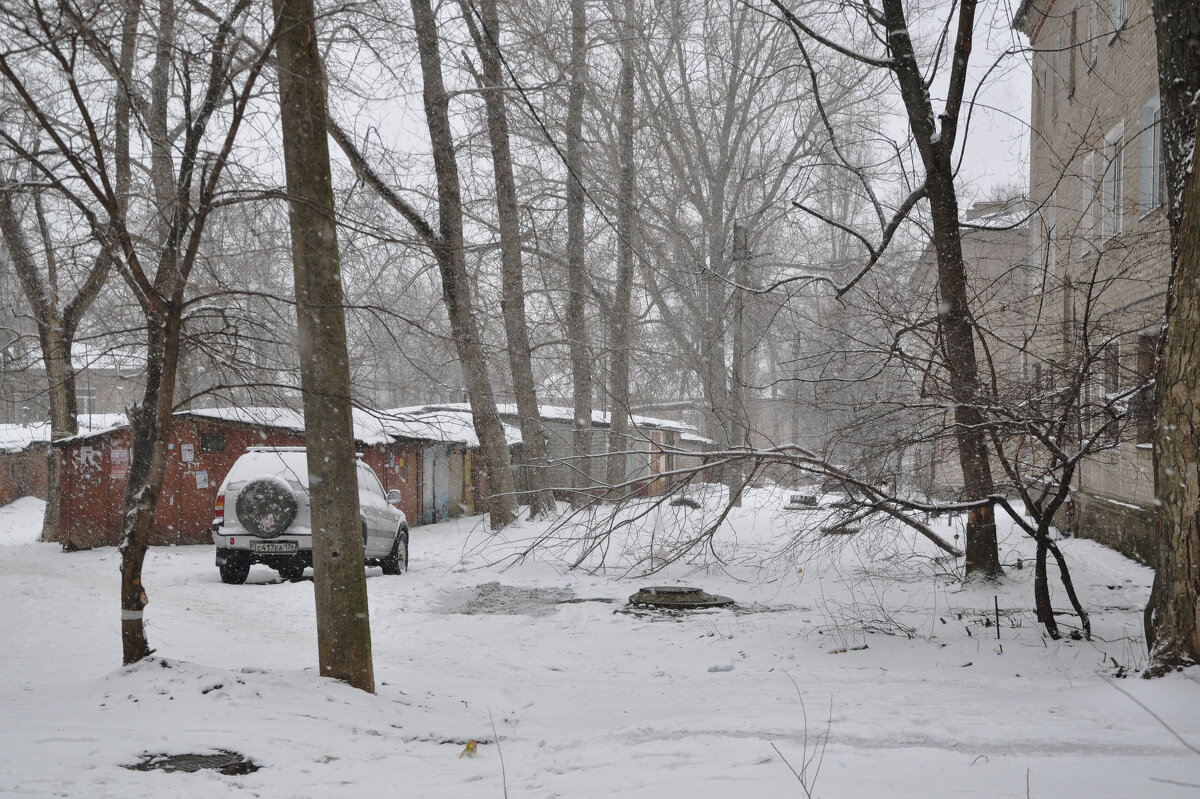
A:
[234,570]
[266,507]
[397,560]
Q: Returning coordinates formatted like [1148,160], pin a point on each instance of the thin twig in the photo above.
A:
[500,752]
[799,779]
[1153,715]
[1175,782]
[818,755]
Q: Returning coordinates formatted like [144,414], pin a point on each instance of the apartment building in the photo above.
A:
[1099,240]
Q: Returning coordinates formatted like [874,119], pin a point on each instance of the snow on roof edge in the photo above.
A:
[560,413]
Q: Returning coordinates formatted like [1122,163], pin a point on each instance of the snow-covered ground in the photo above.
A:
[583,698]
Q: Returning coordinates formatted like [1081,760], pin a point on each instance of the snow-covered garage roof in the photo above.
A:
[558,413]
[443,423]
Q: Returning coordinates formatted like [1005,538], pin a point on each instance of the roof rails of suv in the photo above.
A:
[358,455]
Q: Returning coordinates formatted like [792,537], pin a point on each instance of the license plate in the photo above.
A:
[275,547]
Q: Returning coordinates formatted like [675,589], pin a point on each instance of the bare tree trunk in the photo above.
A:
[150,420]
[715,372]
[958,336]
[936,150]
[56,327]
[1173,614]
[56,355]
[150,423]
[448,252]
[1177,26]
[581,357]
[1041,588]
[162,298]
[56,342]
[512,303]
[737,382]
[620,323]
[343,623]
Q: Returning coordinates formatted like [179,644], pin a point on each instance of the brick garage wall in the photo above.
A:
[398,465]
[1130,530]
[22,474]
[201,450]
[200,453]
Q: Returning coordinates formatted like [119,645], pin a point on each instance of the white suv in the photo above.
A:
[267,488]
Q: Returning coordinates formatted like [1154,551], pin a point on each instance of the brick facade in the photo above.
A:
[23,474]
[201,450]
[1099,236]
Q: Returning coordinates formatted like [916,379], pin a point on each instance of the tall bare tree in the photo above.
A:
[731,140]
[1173,618]
[485,32]
[620,323]
[576,316]
[57,317]
[448,246]
[343,621]
[935,135]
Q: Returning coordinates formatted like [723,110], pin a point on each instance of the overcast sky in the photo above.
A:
[997,144]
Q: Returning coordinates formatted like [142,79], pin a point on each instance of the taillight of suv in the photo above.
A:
[219,510]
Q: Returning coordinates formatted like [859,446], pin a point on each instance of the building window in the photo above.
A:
[1110,359]
[1071,53]
[1039,98]
[1051,221]
[1143,402]
[212,442]
[1110,375]
[1036,273]
[1118,14]
[1069,318]
[1151,173]
[85,401]
[1093,39]
[1114,190]
[1050,85]
[1087,200]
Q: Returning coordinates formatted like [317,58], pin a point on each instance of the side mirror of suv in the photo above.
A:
[394,496]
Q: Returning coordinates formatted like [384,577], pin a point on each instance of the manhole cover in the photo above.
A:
[680,597]
[225,762]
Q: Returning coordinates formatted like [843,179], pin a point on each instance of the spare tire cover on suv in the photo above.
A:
[266,506]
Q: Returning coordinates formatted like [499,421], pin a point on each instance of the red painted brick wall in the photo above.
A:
[22,474]
[94,479]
